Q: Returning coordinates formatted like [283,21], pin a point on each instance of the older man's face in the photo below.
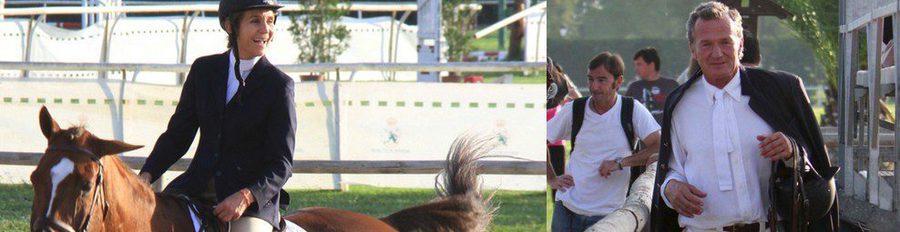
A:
[716,47]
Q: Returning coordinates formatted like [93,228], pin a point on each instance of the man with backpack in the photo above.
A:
[604,128]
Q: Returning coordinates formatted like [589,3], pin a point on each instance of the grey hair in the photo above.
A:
[710,11]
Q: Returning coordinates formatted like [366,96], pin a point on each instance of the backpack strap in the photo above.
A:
[628,126]
[577,118]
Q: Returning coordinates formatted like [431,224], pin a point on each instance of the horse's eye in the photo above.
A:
[85,186]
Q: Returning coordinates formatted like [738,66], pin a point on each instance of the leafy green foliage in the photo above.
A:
[817,22]
[458,23]
[318,32]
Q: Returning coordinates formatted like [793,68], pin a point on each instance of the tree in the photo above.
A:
[318,33]
[458,21]
[816,22]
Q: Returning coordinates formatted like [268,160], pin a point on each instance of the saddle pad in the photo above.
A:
[291,227]
[195,219]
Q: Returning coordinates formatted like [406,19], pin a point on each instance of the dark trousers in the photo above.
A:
[564,220]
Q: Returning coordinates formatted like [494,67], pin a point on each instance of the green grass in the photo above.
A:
[818,111]
[518,78]
[489,42]
[519,210]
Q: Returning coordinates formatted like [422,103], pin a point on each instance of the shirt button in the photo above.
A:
[218,173]
[219,136]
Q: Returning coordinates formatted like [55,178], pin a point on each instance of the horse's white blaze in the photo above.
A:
[59,172]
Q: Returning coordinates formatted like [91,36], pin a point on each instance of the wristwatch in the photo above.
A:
[619,162]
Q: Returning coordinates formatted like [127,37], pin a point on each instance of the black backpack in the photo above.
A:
[627,112]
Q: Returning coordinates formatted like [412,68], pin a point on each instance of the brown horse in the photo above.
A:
[79,185]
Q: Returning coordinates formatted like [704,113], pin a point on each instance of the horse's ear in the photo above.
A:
[109,147]
[48,125]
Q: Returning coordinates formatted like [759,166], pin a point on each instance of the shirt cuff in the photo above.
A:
[789,162]
[665,184]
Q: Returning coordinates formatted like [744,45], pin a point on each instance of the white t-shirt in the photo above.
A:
[601,138]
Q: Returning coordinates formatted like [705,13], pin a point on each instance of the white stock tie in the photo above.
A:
[722,141]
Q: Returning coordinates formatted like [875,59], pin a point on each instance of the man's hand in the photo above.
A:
[561,183]
[145,177]
[685,198]
[233,207]
[607,167]
[653,158]
[774,147]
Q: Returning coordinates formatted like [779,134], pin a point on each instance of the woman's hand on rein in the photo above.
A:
[233,207]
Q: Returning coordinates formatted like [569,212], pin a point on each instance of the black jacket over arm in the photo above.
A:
[248,143]
[780,99]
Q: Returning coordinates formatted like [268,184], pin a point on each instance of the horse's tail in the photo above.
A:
[459,206]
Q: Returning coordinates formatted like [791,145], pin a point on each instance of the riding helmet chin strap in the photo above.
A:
[237,63]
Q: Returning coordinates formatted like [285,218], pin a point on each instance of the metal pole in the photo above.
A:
[336,103]
[429,37]
[84,18]
[874,32]
[104,50]
[119,129]
[397,40]
[185,31]
[391,41]
[29,44]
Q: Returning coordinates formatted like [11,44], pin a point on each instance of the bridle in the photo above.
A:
[43,222]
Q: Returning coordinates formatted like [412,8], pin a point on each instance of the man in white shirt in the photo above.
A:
[723,129]
[585,193]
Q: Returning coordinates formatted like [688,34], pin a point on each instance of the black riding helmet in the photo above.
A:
[227,8]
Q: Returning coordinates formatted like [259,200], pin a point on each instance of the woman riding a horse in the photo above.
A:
[244,108]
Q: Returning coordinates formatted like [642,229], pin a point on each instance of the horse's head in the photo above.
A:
[68,181]
[557,86]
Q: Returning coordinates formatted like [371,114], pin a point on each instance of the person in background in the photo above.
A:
[652,89]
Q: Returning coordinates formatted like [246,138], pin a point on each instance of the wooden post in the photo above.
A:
[635,213]
[896,77]
[847,113]
[873,34]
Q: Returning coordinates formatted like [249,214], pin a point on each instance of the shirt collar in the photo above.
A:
[246,65]
[732,89]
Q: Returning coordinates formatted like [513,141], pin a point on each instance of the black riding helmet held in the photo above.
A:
[557,86]
[227,8]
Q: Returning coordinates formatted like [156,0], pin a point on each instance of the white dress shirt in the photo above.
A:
[601,138]
[715,149]
[246,66]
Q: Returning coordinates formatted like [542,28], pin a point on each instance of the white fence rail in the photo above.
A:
[384,67]
[332,166]
[359,6]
